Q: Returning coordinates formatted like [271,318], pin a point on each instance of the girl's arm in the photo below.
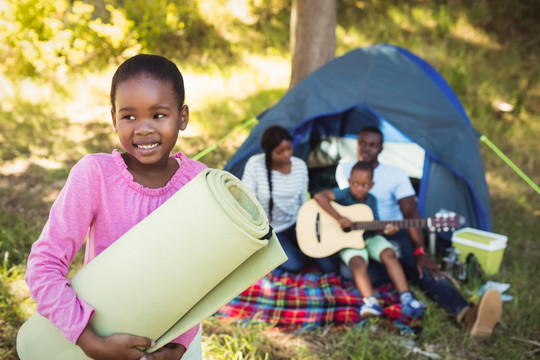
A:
[48,263]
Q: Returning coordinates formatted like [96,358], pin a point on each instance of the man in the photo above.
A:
[396,200]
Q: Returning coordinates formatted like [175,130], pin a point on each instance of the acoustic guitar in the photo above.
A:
[320,235]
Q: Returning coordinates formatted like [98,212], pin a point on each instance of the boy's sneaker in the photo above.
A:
[410,306]
[370,310]
[370,307]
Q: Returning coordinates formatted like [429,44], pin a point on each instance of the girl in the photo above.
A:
[107,194]
[280,182]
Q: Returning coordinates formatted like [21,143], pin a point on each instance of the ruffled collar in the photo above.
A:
[179,178]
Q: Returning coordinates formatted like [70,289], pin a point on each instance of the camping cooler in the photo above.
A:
[488,247]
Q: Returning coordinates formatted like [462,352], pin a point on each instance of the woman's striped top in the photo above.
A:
[288,190]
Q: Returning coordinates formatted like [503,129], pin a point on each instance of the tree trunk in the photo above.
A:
[313,38]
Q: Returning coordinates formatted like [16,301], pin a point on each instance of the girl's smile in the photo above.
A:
[148,147]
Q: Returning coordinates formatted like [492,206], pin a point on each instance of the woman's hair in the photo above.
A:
[152,65]
[271,138]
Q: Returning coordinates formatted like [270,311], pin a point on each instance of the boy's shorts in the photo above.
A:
[374,247]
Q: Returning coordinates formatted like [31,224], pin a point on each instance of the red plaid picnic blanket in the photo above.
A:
[310,299]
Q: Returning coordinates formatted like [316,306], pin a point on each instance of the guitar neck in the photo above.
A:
[402,224]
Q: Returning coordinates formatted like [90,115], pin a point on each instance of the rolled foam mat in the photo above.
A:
[179,265]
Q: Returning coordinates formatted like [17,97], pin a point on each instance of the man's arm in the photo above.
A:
[423,260]
[409,211]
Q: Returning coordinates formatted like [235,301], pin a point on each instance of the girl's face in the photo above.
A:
[148,119]
[360,183]
[281,155]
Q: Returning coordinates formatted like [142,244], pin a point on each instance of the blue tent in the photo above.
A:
[426,129]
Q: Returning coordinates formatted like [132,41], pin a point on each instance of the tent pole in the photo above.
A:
[223,139]
[514,167]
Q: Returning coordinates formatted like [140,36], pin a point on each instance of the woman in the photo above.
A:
[279,180]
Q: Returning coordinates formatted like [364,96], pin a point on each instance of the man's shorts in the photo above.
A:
[374,247]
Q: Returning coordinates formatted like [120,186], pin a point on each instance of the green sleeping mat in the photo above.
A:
[192,255]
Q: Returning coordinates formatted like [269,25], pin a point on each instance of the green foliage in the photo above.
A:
[49,39]
[9,322]
[487,50]
[175,29]
[220,111]
[33,122]
[24,208]
[239,345]
[15,239]
[271,26]
[509,20]
[227,118]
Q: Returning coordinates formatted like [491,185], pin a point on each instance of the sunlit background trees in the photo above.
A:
[57,59]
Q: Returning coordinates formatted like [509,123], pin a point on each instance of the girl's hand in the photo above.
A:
[390,229]
[168,352]
[114,347]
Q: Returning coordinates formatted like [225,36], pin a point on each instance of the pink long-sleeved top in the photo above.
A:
[99,200]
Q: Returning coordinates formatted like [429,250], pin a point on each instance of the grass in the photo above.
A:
[482,59]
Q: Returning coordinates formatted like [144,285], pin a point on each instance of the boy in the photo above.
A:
[377,247]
